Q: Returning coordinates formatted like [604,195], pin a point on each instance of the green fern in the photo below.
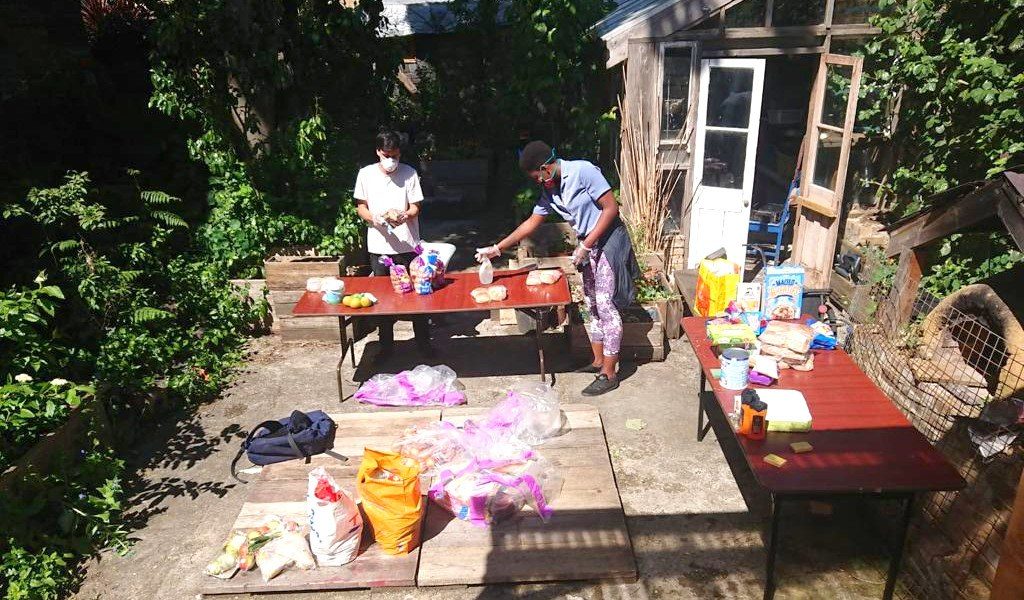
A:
[156,197]
[66,245]
[168,218]
[148,314]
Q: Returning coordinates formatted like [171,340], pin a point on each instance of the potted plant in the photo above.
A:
[654,292]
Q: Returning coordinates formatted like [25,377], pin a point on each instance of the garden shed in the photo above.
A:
[737,96]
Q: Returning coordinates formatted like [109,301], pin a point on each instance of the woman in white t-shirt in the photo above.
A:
[388,197]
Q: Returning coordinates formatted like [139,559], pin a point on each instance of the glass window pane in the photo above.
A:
[729,91]
[826,162]
[746,14]
[725,154]
[798,12]
[837,94]
[675,94]
[853,11]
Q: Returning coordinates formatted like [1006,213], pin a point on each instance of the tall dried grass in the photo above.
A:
[646,182]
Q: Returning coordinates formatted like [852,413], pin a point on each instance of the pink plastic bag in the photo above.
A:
[422,386]
[488,493]
[530,413]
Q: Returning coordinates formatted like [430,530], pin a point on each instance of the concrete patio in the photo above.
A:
[695,516]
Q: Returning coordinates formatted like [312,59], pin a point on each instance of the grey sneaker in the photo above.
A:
[600,385]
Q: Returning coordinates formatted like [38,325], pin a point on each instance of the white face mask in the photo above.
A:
[389,164]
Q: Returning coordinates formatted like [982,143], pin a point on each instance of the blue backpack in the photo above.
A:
[301,435]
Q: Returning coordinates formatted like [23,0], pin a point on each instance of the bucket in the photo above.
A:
[735,368]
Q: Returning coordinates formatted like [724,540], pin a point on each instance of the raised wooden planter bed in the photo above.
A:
[66,439]
[286,279]
[643,336]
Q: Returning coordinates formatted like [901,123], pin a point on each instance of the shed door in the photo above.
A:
[728,119]
[831,116]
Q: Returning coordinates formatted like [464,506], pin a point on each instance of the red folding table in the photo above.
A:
[536,301]
[863,445]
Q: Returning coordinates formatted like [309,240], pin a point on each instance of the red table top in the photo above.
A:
[453,297]
[862,442]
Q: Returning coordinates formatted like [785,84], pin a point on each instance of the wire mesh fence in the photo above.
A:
[946,366]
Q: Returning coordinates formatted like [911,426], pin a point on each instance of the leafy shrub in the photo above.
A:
[24,327]
[944,88]
[30,409]
[970,258]
[51,520]
[267,92]
[149,324]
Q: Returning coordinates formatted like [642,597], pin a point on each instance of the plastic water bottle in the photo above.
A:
[486,272]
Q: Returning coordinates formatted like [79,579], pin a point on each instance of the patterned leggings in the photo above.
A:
[598,289]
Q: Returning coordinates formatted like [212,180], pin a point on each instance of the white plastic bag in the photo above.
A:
[283,552]
[335,525]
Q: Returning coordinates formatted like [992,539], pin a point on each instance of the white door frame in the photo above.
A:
[738,200]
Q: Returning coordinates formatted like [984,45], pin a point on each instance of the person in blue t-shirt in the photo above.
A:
[578,192]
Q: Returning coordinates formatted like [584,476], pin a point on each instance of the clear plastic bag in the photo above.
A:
[434,446]
[401,282]
[422,386]
[427,270]
[530,411]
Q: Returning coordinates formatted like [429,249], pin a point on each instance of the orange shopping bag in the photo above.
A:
[389,487]
[717,281]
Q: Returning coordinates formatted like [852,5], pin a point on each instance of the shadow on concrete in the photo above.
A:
[710,555]
[177,444]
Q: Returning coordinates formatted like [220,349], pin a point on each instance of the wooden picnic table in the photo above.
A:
[863,445]
[534,301]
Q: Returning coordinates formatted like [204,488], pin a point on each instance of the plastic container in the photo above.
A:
[333,290]
[735,368]
[486,272]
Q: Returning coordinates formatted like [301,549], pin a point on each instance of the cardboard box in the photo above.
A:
[783,292]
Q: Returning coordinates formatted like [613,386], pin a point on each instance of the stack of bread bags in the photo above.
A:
[789,344]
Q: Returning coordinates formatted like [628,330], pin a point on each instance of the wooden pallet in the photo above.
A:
[585,539]
[281,490]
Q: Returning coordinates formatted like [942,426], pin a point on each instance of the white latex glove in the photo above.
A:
[487,253]
[378,220]
[581,254]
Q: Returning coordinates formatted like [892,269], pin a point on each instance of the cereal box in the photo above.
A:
[783,292]
[748,297]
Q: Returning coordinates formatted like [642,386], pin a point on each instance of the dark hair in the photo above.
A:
[535,155]
[388,141]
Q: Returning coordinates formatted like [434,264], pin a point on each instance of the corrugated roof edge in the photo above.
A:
[628,13]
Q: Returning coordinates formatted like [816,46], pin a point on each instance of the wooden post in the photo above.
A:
[1009,581]
[904,288]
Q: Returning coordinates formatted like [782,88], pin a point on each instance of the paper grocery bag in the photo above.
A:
[389,486]
[717,281]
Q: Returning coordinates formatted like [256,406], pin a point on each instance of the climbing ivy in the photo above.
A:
[945,88]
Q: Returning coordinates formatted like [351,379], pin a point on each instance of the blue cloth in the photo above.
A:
[575,201]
